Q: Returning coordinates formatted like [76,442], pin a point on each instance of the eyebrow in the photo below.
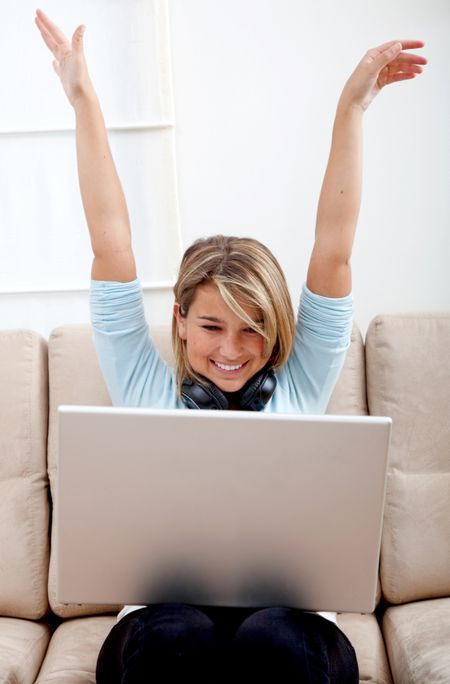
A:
[210,318]
[259,321]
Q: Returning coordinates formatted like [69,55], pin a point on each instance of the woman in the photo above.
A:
[236,347]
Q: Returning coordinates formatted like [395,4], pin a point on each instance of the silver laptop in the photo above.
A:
[222,508]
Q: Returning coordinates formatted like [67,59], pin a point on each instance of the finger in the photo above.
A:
[387,52]
[54,31]
[399,77]
[56,68]
[406,44]
[382,55]
[390,75]
[48,39]
[410,58]
[411,69]
[77,38]
[385,46]
[400,66]
[57,49]
[412,44]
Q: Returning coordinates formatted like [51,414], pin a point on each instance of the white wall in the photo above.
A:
[45,252]
[255,87]
[256,83]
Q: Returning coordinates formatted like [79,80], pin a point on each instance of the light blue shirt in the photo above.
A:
[136,375]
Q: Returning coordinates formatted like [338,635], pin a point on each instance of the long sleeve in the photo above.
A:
[322,337]
[133,370]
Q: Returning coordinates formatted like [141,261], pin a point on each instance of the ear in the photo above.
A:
[181,321]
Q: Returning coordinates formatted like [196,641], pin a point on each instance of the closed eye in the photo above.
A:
[211,327]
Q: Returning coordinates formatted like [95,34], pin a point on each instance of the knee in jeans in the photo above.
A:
[262,629]
[172,628]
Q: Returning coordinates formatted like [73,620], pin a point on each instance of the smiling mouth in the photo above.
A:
[229,368]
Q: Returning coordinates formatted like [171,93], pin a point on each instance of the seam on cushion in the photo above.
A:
[36,552]
[35,569]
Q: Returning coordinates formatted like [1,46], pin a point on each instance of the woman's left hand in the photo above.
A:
[379,67]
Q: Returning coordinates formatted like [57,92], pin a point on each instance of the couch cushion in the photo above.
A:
[22,649]
[72,654]
[24,507]
[75,378]
[349,394]
[365,636]
[417,639]
[408,378]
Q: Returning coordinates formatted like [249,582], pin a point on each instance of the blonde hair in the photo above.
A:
[244,270]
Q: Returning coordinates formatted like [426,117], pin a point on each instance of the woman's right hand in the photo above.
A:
[69,63]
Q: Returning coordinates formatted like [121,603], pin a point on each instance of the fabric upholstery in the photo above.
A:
[349,395]
[24,507]
[408,378]
[72,654]
[22,648]
[418,641]
[365,636]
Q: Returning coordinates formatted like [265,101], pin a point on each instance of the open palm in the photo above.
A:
[69,62]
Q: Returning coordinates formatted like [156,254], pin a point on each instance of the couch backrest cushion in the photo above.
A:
[349,395]
[24,501]
[408,378]
[75,378]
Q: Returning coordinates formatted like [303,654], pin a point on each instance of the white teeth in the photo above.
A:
[228,368]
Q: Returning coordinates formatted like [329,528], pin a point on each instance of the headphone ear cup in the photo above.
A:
[197,396]
[260,389]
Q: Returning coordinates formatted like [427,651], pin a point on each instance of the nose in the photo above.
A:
[231,345]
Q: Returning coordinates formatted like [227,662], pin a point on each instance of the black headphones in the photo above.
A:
[252,397]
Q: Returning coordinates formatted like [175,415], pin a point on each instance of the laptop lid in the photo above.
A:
[219,508]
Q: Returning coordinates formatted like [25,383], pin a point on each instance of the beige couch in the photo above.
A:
[403,371]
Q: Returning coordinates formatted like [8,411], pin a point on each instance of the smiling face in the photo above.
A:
[220,345]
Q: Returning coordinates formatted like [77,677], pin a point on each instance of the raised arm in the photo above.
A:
[329,272]
[101,192]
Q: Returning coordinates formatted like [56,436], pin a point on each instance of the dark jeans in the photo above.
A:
[160,642]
